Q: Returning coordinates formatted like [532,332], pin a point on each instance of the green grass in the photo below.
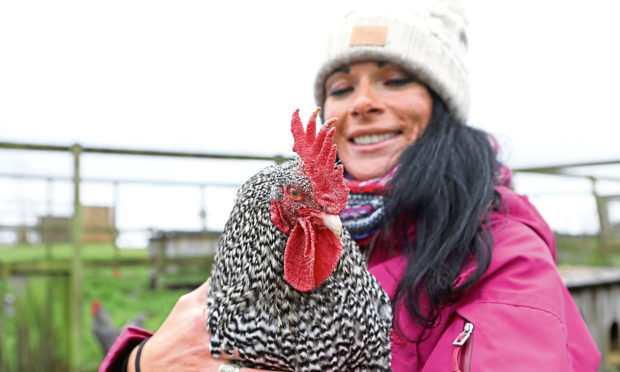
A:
[124,297]
[123,291]
[587,250]
[32,253]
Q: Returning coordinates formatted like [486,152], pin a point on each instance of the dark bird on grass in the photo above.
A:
[105,331]
[289,288]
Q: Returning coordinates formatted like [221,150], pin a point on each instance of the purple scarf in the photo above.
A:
[365,211]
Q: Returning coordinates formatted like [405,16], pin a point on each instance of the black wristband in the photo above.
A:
[137,363]
[125,362]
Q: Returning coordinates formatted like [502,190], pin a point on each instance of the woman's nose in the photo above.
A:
[366,102]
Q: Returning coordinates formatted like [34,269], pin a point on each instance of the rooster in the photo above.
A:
[104,329]
[289,288]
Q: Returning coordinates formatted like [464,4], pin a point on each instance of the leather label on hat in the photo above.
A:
[369,35]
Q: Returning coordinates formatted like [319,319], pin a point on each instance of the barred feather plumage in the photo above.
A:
[343,324]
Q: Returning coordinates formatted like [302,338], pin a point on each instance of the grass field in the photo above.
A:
[32,253]
[586,250]
[124,292]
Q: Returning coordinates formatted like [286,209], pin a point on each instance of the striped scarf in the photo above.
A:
[365,211]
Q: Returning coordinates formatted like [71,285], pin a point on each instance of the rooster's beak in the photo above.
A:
[333,223]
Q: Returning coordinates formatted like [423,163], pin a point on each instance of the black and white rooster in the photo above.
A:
[289,288]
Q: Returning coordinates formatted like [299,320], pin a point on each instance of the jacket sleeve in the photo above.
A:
[123,345]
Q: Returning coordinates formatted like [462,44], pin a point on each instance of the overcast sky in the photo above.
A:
[226,76]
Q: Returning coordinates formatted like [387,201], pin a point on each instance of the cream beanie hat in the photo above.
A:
[429,41]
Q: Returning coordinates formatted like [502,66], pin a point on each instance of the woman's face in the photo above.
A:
[381,110]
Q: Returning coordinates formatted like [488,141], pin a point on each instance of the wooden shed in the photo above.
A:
[183,244]
[596,292]
[54,229]
[98,224]
[181,252]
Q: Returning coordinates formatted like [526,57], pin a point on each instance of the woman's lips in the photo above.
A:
[371,139]
[374,142]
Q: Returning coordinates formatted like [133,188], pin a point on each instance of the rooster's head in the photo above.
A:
[306,207]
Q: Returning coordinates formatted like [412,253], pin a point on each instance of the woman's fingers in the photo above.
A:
[182,342]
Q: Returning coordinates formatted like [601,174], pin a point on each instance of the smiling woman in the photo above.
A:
[381,110]
[457,251]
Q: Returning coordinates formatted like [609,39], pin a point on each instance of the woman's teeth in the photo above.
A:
[373,138]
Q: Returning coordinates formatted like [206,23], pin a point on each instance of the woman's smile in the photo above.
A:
[371,139]
[381,110]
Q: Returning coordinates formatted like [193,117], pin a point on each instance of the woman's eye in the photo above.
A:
[398,82]
[294,193]
[340,91]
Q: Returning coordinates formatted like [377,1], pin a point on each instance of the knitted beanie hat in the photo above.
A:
[429,41]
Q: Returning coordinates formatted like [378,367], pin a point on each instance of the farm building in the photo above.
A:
[596,292]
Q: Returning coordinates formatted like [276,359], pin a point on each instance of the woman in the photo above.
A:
[460,254]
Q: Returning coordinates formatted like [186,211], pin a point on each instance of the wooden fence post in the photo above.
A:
[117,252]
[603,216]
[47,229]
[203,207]
[4,278]
[75,295]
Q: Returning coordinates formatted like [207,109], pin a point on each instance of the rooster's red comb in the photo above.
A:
[95,307]
[318,153]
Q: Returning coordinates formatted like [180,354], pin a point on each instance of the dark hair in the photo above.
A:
[445,184]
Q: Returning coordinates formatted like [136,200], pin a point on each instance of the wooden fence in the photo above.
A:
[74,269]
[596,292]
[602,201]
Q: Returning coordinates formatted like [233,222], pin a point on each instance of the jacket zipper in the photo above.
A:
[461,357]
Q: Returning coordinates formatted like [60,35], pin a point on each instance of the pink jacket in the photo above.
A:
[523,317]
[128,339]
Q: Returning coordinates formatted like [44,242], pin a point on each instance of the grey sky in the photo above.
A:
[226,76]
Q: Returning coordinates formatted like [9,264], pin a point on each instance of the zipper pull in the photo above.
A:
[458,343]
[463,336]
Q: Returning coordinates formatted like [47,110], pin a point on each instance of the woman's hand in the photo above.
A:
[182,341]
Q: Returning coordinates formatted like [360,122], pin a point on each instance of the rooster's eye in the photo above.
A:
[295,195]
